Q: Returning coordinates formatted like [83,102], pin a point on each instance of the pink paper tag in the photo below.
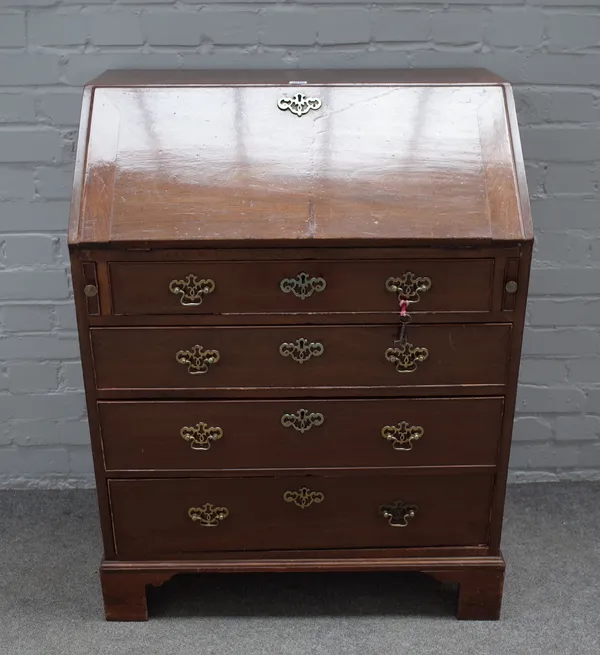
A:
[403,307]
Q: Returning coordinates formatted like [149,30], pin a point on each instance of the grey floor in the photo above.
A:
[50,598]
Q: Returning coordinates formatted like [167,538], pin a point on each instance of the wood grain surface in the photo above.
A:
[200,173]
[151,520]
[146,436]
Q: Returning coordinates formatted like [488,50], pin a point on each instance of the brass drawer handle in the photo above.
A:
[302,420]
[302,286]
[402,435]
[197,359]
[191,290]
[299,104]
[208,515]
[406,357]
[304,497]
[200,435]
[398,513]
[301,350]
[408,287]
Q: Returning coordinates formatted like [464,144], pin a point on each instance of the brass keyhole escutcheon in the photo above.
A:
[303,285]
[301,350]
[302,420]
[299,104]
[303,497]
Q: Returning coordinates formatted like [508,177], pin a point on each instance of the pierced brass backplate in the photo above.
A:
[302,420]
[191,290]
[299,104]
[200,436]
[406,357]
[398,513]
[408,287]
[208,515]
[301,350]
[197,359]
[402,435]
[304,497]
[302,286]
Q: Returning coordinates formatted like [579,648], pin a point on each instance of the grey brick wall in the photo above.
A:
[549,49]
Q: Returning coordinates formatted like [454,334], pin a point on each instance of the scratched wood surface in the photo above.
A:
[377,162]
[199,173]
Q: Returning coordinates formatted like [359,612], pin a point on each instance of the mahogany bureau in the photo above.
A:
[300,298]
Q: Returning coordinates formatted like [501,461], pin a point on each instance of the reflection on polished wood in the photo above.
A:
[242,276]
[226,164]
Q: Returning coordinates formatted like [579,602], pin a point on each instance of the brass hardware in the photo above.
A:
[302,286]
[398,513]
[301,350]
[198,360]
[299,104]
[208,515]
[191,290]
[200,435]
[90,290]
[304,497]
[511,287]
[402,435]
[302,420]
[406,357]
[408,286]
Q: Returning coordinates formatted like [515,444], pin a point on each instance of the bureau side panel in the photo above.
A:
[510,400]
[81,306]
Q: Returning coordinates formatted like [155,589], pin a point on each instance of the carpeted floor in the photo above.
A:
[50,598]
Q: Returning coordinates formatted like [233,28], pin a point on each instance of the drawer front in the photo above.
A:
[300,286]
[195,435]
[175,518]
[298,357]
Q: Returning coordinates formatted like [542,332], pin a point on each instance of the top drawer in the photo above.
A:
[301,287]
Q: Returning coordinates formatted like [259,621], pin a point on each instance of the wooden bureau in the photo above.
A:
[300,298]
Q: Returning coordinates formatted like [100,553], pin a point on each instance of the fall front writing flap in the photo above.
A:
[373,163]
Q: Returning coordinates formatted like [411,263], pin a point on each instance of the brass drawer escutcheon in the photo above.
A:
[302,420]
[299,104]
[406,357]
[301,350]
[304,497]
[208,515]
[402,435]
[197,359]
[398,513]
[200,436]
[302,286]
[408,287]
[191,290]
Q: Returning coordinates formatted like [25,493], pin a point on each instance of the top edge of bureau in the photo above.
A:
[443,76]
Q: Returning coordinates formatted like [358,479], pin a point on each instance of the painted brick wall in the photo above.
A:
[549,49]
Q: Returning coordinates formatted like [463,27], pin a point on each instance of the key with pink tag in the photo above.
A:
[405,319]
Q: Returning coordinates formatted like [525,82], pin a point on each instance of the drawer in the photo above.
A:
[176,518]
[298,357]
[195,435]
[300,286]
